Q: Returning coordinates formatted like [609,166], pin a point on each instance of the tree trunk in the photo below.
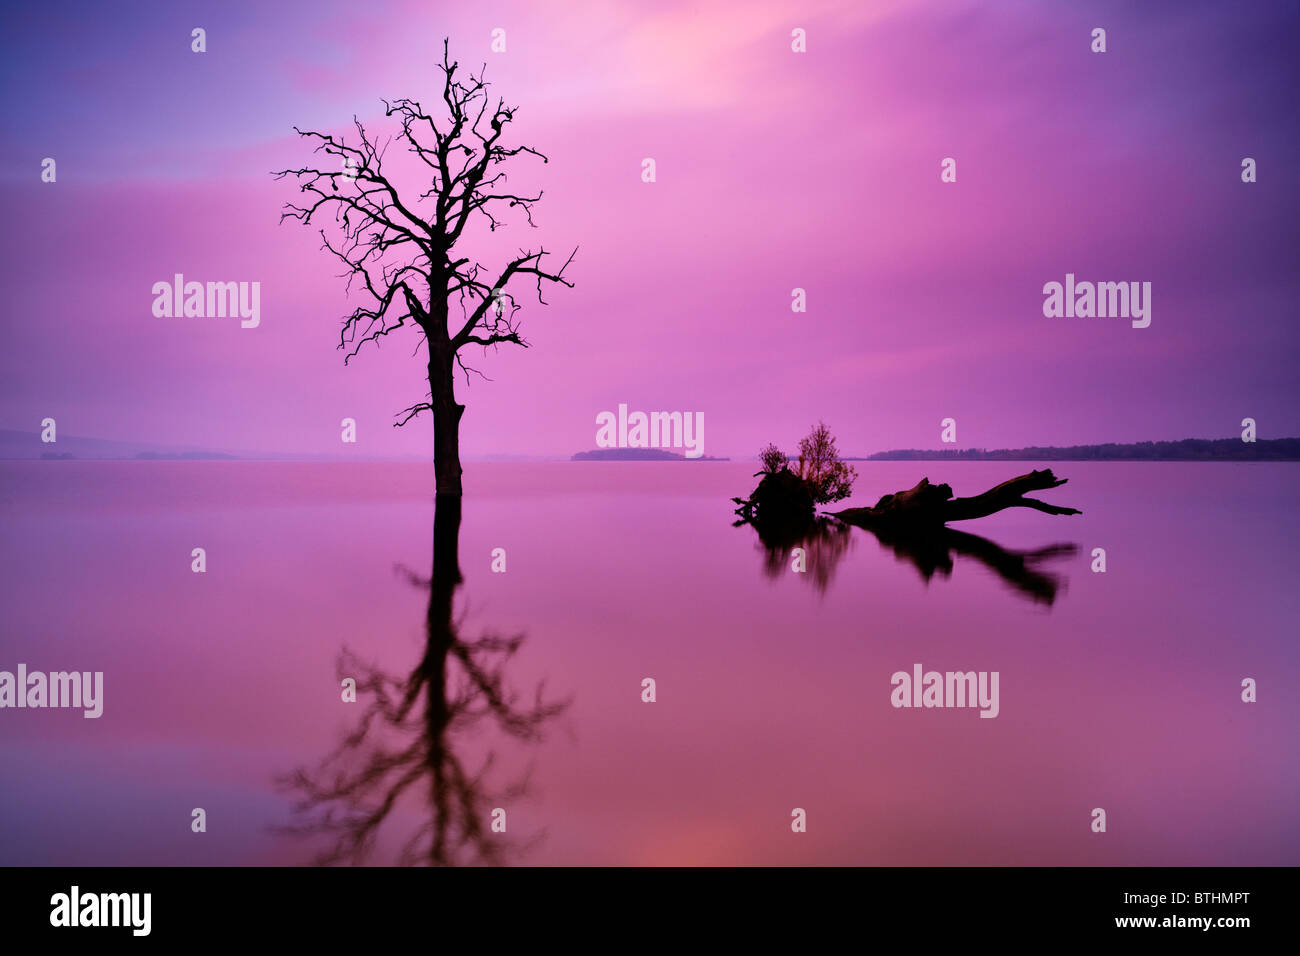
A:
[446,423]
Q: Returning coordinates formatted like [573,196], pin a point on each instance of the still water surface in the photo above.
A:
[1118,690]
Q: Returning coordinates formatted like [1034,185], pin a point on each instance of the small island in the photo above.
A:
[637,454]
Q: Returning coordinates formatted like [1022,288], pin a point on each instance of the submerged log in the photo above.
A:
[931,506]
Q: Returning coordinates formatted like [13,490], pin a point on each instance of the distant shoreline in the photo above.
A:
[1188,449]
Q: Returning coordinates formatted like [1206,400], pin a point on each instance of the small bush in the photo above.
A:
[773,459]
[828,478]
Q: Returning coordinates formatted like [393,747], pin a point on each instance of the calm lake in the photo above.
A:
[1119,690]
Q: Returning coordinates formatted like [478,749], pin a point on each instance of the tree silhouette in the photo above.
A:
[773,459]
[825,542]
[828,478]
[400,251]
[412,729]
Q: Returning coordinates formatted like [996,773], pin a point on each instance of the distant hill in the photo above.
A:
[186,456]
[637,454]
[28,445]
[1189,449]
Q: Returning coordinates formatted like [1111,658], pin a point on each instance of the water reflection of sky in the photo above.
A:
[771,694]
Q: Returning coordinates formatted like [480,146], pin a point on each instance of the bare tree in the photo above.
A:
[400,251]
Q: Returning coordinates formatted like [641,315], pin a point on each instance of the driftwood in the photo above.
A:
[931,506]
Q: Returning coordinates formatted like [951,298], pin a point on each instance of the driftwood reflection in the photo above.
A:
[826,541]
[931,552]
[407,736]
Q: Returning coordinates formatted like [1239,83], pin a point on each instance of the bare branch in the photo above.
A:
[397,250]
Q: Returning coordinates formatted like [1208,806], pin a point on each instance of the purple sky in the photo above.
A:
[776,170]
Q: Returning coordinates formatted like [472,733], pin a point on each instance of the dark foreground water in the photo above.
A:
[1119,690]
